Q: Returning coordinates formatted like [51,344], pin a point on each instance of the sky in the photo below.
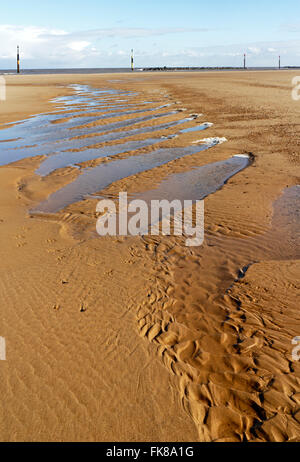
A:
[97,33]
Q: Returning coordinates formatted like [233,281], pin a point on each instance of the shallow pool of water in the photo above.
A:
[95,179]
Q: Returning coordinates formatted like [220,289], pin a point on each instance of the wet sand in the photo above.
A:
[142,338]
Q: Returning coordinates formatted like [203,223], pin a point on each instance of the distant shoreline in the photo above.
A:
[142,69]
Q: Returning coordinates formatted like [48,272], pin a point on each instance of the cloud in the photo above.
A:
[46,47]
[50,47]
[264,54]
[79,46]
[254,50]
[135,32]
[290,27]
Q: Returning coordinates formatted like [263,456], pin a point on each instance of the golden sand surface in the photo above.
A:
[145,339]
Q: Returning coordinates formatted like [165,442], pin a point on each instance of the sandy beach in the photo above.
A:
[143,338]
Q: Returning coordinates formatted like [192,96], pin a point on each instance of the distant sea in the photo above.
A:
[67,71]
[114,70]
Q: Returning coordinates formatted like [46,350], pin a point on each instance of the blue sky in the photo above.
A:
[96,33]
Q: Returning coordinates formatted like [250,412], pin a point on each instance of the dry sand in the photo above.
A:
[133,339]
